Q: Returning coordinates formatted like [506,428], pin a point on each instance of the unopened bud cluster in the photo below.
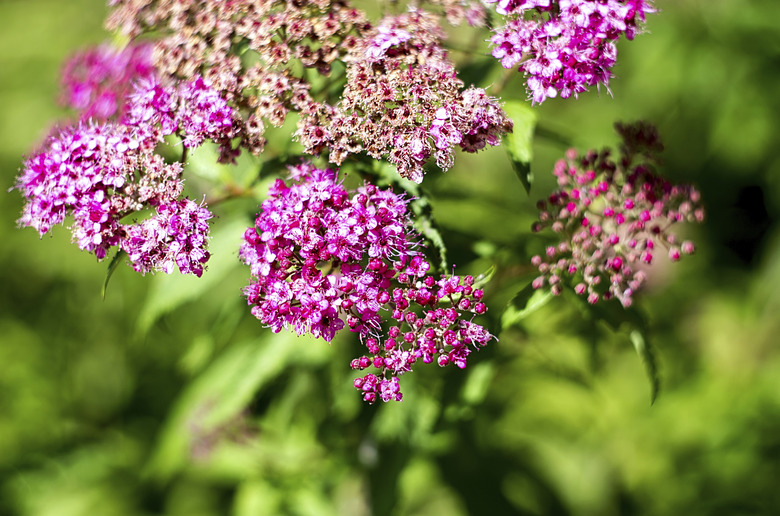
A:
[614,219]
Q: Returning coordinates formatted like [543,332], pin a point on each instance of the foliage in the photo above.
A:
[168,397]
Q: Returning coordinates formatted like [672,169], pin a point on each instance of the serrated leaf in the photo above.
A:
[426,225]
[423,220]
[525,302]
[646,352]
[170,291]
[110,271]
[519,144]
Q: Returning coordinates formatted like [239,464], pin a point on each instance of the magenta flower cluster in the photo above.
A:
[565,46]
[176,236]
[324,259]
[102,173]
[191,109]
[96,81]
[614,218]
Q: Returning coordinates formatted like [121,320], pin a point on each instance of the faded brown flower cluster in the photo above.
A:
[402,100]
[248,50]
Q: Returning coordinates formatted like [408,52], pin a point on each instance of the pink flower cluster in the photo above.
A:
[96,81]
[422,330]
[176,236]
[565,46]
[614,218]
[100,174]
[192,109]
[403,102]
[323,258]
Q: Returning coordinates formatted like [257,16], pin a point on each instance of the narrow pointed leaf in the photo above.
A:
[519,144]
[525,302]
[115,261]
[647,353]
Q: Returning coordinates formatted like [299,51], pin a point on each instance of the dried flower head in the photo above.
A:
[403,102]
[248,51]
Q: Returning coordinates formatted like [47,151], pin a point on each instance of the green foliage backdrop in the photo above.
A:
[169,398]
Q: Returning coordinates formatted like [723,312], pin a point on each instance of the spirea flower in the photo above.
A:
[614,218]
[96,81]
[319,253]
[176,236]
[403,102]
[79,172]
[323,259]
[190,108]
[249,52]
[565,46]
[101,173]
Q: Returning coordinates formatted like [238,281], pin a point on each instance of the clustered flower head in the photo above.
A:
[565,46]
[614,218]
[324,259]
[102,173]
[249,51]
[96,81]
[403,102]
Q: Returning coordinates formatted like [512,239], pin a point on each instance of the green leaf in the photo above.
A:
[615,315]
[485,277]
[633,321]
[219,394]
[169,291]
[647,353]
[426,225]
[525,302]
[419,204]
[519,144]
[110,271]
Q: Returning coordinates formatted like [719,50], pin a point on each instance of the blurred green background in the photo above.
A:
[169,398]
